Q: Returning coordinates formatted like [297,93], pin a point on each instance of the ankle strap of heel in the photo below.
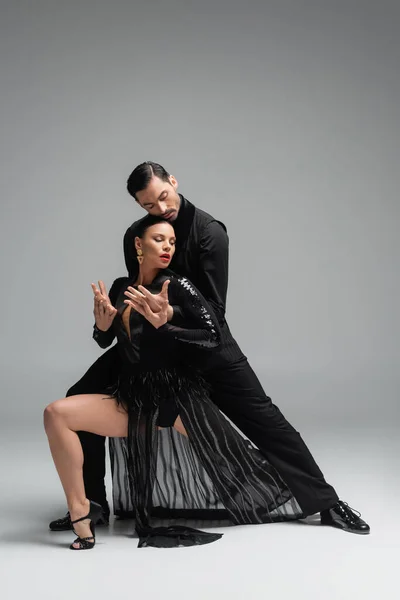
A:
[81,519]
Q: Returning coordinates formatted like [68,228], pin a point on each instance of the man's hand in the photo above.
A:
[103,310]
[155,302]
[144,302]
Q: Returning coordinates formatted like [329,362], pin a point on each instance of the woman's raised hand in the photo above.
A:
[154,307]
[156,302]
[103,310]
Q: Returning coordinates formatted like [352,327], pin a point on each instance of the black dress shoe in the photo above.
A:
[344,517]
[64,524]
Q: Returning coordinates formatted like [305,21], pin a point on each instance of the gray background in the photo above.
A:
[282,119]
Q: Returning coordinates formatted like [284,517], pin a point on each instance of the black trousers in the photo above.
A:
[238,393]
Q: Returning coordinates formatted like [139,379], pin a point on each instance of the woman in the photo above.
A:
[172,449]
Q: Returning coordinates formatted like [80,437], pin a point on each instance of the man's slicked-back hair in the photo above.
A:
[140,177]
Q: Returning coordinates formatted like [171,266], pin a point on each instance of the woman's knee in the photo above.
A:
[53,411]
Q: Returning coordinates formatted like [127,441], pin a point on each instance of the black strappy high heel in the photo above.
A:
[95,513]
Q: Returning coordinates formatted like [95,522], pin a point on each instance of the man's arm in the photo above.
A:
[213,267]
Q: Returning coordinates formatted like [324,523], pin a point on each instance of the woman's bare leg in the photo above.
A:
[178,425]
[94,413]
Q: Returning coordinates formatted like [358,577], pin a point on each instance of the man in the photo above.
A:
[202,256]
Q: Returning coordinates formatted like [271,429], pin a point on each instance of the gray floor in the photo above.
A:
[281,560]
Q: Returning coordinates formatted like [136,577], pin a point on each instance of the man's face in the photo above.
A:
[160,198]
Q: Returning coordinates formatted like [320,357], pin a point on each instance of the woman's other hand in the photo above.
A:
[103,310]
[156,302]
[154,307]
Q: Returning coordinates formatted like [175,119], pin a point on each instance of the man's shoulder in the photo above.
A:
[204,218]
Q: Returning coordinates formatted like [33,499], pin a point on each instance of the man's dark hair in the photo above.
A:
[140,177]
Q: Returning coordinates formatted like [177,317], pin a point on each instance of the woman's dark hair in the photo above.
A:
[147,222]
[140,177]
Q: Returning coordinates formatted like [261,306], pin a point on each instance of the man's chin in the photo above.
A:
[172,218]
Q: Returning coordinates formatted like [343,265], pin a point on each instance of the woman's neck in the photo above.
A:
[146,275]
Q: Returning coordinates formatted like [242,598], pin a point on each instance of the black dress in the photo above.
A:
[213,470]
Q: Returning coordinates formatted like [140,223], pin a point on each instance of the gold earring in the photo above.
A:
[139,255]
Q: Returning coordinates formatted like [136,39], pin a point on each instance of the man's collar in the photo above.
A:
[183,222]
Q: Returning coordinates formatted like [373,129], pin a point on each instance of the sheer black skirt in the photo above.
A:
[213,472]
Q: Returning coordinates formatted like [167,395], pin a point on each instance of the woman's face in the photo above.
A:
[158,245]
